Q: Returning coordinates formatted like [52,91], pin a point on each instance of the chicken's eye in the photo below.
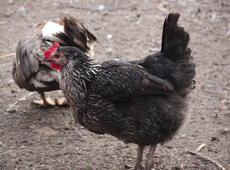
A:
[56,56]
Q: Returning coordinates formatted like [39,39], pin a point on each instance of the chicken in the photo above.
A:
[142,102]
[31,74]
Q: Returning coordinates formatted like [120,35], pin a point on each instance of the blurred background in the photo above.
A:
[35,138]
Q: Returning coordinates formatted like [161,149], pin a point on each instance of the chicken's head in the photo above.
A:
[55,59]
[59,56]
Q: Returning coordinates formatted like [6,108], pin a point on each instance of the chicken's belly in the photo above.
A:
[144,120]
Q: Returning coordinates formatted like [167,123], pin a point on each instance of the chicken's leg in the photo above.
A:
[149,160]
[50,102]
[138,165]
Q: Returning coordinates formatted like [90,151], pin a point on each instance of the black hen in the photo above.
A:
[30,73]
[142,102]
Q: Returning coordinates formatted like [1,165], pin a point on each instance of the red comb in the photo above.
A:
[48,52]
[56,44]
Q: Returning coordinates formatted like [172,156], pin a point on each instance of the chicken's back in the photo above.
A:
[174,59]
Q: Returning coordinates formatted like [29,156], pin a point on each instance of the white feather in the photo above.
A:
[52,28]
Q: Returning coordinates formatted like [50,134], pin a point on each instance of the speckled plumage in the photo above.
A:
[118,98]
[142,102]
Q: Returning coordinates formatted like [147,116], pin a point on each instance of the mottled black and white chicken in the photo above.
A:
[31,74]
[142,102]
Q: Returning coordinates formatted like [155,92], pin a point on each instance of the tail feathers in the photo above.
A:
[90,37]
[175,39]
[75,34]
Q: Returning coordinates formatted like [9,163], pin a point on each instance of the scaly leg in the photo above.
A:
[138,165]
[149,160]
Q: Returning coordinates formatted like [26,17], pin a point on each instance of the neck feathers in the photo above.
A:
[74,80]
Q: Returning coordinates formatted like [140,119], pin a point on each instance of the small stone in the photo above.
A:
[2,22]
[224,131]
[127,166]
[154,49]
[23,147]
[214,139]
[2,144]
[109,36]
[11,1]
[101,7]
[13,91]
[223,101]
[109,50]
[22,10]
[176,168]
[11,111]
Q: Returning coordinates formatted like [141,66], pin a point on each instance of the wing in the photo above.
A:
[27,70]
[119,82]
[25,64]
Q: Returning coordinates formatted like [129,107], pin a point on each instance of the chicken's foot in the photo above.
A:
[149,160]
[48,102]
[138,165]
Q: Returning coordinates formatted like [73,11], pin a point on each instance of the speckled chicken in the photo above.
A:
[142,102]
[30,73]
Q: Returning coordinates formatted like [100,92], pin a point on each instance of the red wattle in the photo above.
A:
[47,54]
[56,66]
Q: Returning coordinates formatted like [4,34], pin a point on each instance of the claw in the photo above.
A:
[48,102]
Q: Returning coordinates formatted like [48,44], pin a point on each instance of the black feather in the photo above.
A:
[75,34]
[132,100]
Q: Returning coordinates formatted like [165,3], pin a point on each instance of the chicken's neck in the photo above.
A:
[74,80]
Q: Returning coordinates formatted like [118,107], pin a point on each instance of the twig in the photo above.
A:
[200,147]
[10,107]
[2,144]
[162,8]
[67,5]
[206,158]
[7,55]
[200,156]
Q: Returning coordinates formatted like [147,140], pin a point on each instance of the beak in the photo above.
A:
[45,60]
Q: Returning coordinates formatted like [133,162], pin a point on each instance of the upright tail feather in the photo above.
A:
[175,39]
[75,34]
[175,46]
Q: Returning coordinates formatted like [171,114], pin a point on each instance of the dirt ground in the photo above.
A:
[36,138]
